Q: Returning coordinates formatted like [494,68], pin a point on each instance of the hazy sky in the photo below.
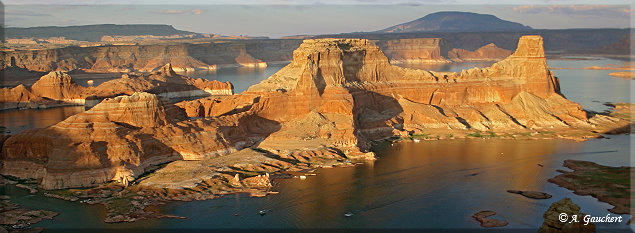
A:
[275,18]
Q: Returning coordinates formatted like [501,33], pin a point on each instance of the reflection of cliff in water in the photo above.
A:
[19,120]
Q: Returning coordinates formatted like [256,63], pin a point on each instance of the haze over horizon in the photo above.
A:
[277,20]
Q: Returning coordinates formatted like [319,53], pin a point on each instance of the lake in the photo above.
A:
[426,185]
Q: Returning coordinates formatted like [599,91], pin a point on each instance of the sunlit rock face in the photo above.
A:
[337,95]
[120,138]
[58,88]
[350,86]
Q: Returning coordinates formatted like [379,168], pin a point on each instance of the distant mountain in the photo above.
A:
[457,21]
[93,32]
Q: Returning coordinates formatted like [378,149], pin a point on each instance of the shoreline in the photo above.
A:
[145,207]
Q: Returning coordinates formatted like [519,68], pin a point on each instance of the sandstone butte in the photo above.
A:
[58,88]
[337,95]
[436,50]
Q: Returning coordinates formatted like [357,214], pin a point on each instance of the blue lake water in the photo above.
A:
[412,185]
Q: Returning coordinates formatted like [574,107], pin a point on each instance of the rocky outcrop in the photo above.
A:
[484,218]
[419,50]
[58,88]
[589,178]
[531,194]
[488,52]
[246,60]
[553,224]
[333,99]
[350,84]
[119,139]
[436,50]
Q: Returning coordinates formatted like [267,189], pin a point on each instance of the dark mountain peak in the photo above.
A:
[457,21]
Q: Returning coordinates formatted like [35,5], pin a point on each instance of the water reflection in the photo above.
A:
[19,120]
[591,88]
[446,181]
[240,77]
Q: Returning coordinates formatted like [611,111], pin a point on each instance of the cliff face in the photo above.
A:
[487,52]
[350,88]
[120,138]
[420,50]
[436,50]
[147,58]
[58,88]
[337,93]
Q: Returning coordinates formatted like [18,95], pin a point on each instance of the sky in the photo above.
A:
[276,18]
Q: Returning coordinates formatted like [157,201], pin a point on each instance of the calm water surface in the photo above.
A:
[437,184]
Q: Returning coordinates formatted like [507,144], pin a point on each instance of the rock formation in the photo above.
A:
[487,52]
[419,50]
[349,85]
[184,57]
[607,184]
[119,138]
[333,99]
[58,88]
[552,223]
[484,218]
[436,50]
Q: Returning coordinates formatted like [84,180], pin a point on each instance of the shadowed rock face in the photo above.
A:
[120,138]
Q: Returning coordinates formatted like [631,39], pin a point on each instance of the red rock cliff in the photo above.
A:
[350,85]
[59,87]
[337,93]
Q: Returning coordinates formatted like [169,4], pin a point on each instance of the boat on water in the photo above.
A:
[263,212]
[348,214]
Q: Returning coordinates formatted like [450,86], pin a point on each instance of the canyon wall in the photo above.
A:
[119,139]
[58,88]
[337,94]
[187,57]
[489,52]
[345,92]
[420,50]
[146,58]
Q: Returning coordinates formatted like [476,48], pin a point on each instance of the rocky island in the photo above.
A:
[325,108]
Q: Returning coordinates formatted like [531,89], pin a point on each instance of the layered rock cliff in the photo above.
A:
[419,50]
[119,139]
[337,95]
[147,58]
[58,88]
[487,52]
[436,50]
[345,92]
